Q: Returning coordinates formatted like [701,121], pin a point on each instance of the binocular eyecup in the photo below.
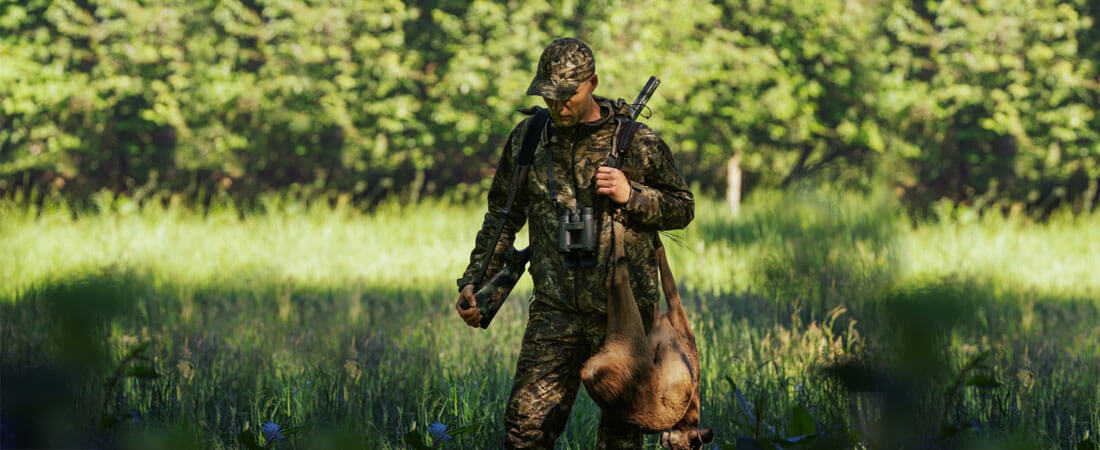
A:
[577,236]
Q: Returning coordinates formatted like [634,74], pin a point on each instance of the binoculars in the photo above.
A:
[577,236]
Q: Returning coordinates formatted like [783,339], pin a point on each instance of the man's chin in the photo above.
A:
[563,121]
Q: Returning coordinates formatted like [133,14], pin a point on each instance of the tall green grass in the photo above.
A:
[322,316]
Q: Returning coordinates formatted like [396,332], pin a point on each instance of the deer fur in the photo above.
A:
[652,381]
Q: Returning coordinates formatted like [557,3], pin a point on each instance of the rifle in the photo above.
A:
[625,133]
[491,296]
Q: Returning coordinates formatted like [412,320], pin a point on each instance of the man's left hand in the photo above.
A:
[613,183]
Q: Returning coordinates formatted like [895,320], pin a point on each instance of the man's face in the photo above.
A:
[570,111]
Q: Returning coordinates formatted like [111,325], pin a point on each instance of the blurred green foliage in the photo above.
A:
[989,102]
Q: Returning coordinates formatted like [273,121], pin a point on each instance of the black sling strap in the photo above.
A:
[519,177]
[551,186]
[532,136]
[624,136]
[625,127]
[628,125]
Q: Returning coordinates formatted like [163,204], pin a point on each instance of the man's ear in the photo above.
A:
[595,81]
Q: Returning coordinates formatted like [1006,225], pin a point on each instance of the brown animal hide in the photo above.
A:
[651,381]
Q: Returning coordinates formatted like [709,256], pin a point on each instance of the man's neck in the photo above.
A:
[593,111]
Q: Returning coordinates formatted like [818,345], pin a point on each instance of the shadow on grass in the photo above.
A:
[240,358]
[228,357]
[941,363]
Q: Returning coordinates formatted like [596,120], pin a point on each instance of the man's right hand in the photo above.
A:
[471,315]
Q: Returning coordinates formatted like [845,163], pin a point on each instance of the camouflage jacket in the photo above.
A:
[659,200]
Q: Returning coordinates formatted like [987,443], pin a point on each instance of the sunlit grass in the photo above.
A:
[416,247]
[1059,256]
[339,320]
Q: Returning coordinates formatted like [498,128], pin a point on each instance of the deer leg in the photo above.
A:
[625,358]
[675,311]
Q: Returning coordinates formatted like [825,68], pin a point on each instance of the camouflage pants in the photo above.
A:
[555,346]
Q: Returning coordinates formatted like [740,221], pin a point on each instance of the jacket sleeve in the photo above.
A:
[664,202]
[513,221]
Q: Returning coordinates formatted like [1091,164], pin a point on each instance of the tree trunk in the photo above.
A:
[733,183]
[1090,195]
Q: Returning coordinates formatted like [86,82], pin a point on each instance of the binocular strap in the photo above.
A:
[550,184]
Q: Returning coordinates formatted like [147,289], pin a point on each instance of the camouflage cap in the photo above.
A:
[564,65]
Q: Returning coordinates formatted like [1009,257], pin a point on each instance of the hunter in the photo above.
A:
[569,179]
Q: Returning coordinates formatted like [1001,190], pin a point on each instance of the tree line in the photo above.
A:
[990,103]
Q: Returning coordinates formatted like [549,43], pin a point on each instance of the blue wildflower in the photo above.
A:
[271,431]
[439,431]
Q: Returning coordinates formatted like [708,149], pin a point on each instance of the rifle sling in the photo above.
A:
[624,136]
[519,177]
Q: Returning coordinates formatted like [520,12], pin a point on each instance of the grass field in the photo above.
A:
[341,324]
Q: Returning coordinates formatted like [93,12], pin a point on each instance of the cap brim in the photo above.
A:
[551,90]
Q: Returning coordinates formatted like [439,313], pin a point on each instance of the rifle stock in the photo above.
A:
[490,297]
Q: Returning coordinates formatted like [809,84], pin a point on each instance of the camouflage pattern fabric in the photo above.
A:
[659,200]
[568,316]
[564,65]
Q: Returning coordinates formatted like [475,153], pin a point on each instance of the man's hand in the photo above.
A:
[613,183]
[471,315]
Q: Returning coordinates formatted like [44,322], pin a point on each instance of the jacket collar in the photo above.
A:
[585,129]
